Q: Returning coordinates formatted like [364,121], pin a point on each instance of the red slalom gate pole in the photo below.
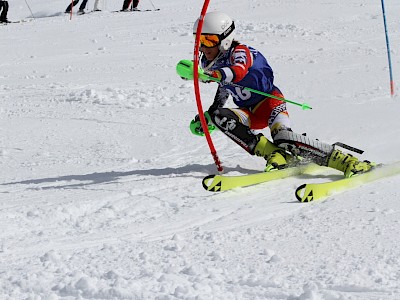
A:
[197,87]
[70,12]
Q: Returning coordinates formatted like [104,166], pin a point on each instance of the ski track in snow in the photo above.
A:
[100,191]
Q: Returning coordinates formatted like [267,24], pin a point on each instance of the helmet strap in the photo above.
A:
[213,61]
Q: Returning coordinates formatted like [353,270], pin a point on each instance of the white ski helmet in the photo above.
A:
[220,24]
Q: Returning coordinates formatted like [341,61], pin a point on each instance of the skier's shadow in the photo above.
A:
[85,180]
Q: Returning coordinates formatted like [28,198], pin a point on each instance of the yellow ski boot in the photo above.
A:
[276,157]
[348,164]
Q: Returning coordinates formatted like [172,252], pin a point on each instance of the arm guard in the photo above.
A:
[221,96]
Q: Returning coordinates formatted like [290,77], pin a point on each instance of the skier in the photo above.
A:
[228,60]
[4,11]
[81,10]
[125,6]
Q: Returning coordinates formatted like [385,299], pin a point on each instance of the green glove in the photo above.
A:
[197,129]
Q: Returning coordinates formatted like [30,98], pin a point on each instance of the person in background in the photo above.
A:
[127,3]
[236,65]
[4,11]
[81,10]
[97,6]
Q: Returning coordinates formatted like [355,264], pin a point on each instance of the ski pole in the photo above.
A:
[30,9]
[153,5]
[303,106]
[388,50]
[185,70]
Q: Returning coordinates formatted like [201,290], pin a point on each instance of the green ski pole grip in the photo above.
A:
[184,68]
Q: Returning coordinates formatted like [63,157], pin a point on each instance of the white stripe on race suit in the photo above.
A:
[239,56]
[243,117]
[228,74]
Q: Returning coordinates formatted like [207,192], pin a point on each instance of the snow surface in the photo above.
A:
[100,186]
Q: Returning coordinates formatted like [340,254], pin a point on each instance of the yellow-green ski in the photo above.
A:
[219,183]
[315,191]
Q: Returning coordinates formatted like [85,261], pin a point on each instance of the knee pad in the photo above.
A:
[224,119]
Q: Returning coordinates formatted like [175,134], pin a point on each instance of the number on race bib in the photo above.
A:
[240,94]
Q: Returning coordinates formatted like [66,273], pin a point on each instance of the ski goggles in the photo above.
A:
[213,40]
[209,40]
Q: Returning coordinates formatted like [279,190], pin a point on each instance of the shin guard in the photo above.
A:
[229,123]
[301,145]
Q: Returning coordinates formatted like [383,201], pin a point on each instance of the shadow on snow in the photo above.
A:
[114,176]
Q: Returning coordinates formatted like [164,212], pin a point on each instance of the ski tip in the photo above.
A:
[211,184]
[303,195]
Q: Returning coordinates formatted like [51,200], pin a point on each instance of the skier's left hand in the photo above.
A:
[197,129]
[205,76]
